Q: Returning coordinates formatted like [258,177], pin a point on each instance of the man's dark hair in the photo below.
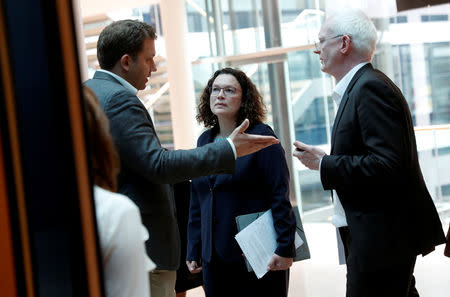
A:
[252,104]
[120,38]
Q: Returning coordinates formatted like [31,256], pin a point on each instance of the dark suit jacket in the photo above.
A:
[147,169]
[447,246]
[261,182]
[374,168]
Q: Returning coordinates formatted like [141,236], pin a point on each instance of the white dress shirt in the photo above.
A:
[122,81]
[338,219]
[122,236]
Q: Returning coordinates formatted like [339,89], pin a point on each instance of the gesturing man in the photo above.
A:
[126,51]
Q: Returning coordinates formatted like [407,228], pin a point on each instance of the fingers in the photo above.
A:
[297,153]
[261,139]
[275,265]
[308,160]
[300,146]
[303,147]
[242,127]
[271,265]
[248,143]
[279,263]
[310,156]
[193,267]
[196,270]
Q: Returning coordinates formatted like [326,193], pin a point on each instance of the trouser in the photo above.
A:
[162,283]
[395,281]
[222,279]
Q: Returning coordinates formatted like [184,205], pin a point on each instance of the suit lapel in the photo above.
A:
[213,179]
[217,179]
[344,100]
[209,138]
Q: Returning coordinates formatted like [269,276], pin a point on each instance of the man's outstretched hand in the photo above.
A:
[246,144]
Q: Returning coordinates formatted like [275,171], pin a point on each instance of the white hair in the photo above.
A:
[355,23]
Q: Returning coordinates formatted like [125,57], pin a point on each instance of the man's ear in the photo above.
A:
[125,62]
[346,44]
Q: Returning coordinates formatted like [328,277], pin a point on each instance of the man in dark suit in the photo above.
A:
[125,51]
[388,216]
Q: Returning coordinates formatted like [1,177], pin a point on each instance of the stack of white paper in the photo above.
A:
[258,242]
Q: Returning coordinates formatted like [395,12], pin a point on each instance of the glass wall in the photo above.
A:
[412,50]
[421,68]
[437,59]
[264,39]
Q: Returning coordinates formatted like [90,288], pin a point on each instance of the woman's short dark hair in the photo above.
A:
[252,103]
[120,38]
[104,158]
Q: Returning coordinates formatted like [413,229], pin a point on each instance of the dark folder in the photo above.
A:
[302,252]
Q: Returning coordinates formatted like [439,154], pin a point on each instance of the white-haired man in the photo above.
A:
[384,212]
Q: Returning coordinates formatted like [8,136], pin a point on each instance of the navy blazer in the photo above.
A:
[374,168]
[260,182]
[148,170]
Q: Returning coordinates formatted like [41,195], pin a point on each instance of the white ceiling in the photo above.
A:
[94,7]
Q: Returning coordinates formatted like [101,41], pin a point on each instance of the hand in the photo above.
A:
[310,156]
[279,263]
[246,144]
[193,267]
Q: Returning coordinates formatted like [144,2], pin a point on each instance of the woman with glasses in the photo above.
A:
[260,183]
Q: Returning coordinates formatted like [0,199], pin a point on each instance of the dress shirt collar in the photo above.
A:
[122,81]
[342,85]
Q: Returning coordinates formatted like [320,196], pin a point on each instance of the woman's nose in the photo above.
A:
[221,93]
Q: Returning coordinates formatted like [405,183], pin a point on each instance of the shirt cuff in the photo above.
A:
[232,147]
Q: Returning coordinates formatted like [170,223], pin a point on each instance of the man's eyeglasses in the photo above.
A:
[227,91]
[318,44]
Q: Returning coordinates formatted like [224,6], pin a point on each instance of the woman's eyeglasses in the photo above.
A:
[227,91]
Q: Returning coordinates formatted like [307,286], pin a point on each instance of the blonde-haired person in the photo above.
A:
[122,235]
